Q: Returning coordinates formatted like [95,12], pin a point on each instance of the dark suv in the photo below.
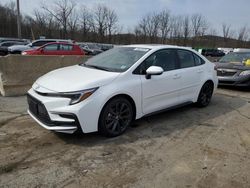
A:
[212,52]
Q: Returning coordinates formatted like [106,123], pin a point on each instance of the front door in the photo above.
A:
[161,91]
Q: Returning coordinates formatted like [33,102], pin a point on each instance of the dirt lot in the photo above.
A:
[186,147]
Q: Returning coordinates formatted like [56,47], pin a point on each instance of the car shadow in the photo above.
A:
[163,124]
[235,88]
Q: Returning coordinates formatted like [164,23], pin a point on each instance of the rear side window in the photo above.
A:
[198,60]
[186,58]
[8,44]
[66,47]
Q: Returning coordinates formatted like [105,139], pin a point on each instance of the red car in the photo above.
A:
[56,48]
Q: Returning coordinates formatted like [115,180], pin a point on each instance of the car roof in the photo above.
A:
[156,46]
[59,43]
[58,40]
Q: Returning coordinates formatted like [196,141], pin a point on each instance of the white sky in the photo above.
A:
[233,12]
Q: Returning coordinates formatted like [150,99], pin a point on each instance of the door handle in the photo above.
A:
[199,70]
[176,76]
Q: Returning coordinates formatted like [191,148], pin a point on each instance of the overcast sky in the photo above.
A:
[234,12]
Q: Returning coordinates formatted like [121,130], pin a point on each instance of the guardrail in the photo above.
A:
[18,73]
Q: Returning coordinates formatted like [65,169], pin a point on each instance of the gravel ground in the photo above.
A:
[186,147]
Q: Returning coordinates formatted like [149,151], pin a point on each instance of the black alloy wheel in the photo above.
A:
[205,94]
[115,117]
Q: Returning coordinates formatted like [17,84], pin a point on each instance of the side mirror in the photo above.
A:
[153,70]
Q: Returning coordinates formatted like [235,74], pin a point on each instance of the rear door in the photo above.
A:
[160,91]
[66,49]
[192,73]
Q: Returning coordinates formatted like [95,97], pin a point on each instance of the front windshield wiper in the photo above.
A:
[96,67]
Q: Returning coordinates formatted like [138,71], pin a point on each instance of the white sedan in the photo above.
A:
[112,89]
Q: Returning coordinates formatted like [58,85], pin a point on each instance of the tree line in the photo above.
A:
[68,20]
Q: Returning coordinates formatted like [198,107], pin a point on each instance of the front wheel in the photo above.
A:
[205,95]
[115,117]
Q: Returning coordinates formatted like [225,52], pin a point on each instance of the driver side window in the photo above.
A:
[166,59]
[51,47]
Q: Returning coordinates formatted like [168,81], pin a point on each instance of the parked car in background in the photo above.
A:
[226,50]
[18,49]
[105,47]
[241,50]
[6,39]
[4,46]
[90,48]
[212,52]
[234,69]
[56,48]
[120,85]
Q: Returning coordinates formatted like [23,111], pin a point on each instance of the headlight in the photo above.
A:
[24,53]
[79,96]
[245,73]
[75,97]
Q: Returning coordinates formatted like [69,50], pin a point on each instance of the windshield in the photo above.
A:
[235,57]
[117,59]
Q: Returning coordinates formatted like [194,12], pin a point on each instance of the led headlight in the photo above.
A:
[75,97]
[245,73]
[79,96]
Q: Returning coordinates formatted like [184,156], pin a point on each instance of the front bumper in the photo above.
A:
[241,81]
[56,113]
[67,123]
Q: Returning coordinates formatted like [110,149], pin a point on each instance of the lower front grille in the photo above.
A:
[222,72]
[38,110]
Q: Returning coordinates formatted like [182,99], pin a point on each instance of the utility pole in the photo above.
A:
[18,20]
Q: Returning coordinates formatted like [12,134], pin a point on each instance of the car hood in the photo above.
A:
[232,65]
[75,78]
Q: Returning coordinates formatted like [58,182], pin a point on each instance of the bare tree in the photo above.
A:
[199,25]
[86,22]
[176,27]
[164,24]
[149,27]
[242,35]
[61,11]
[100,18]
[226,30]
[112,20]
[43,24]
[73,24]
[186,29]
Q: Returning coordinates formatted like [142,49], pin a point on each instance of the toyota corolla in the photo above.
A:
[112,89]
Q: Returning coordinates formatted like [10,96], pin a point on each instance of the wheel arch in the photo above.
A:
[209,81]
[126,96]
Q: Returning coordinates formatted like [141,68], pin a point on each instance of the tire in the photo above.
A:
[205,95]
[116,116]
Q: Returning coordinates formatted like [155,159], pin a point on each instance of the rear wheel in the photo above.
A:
[205,94]
[115,117]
